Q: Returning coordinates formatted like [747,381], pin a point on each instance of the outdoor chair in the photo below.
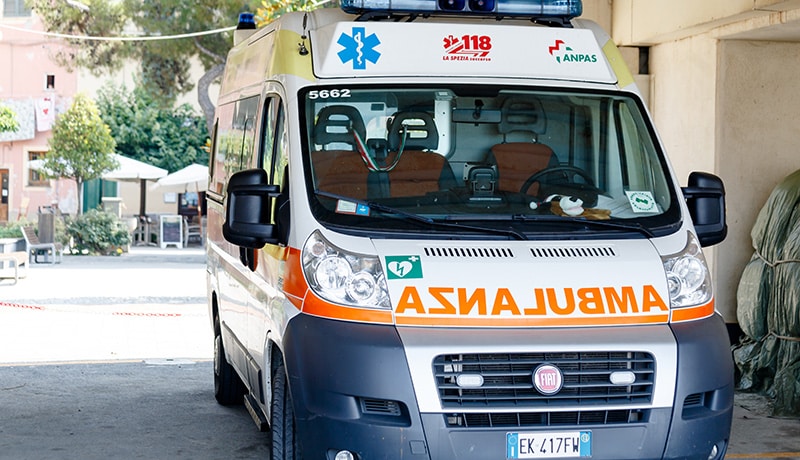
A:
[193,230]
[51,252]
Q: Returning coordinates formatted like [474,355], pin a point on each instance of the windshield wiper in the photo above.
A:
[422,219]
[635,226]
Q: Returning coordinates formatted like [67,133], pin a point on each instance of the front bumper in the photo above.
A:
[353,389]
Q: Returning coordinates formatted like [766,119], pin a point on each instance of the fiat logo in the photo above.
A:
[547,379]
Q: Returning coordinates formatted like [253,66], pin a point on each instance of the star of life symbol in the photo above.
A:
[359,48]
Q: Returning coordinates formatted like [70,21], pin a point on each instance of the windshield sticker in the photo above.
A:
[563,53]
[349,207]
[359,48]
[642,201]
[403,267]
[467,48]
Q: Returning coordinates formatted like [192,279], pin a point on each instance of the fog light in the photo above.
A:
[344,455]
[712,455]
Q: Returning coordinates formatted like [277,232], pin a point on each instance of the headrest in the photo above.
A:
[522,115]
[336,123]
[421,132]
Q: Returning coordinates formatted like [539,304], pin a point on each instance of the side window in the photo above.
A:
[272,157]
[271,106]
[222,147]
[244,120]
[234,141]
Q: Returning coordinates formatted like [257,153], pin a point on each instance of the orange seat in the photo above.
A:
[338,167]
[517,161]
[419,170]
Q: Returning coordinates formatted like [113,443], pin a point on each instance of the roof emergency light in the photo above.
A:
[562,9]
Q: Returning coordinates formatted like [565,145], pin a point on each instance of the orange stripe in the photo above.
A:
[294,282]
[693,313]
[313,305]
[529,322]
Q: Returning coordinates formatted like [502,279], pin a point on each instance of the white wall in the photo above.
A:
[724,106]
[757,138]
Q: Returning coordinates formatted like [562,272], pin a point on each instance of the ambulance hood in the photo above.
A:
[524,284]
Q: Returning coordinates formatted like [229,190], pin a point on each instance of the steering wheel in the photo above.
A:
[563,173]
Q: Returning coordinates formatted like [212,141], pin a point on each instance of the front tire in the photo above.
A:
[284,442]
[228,387]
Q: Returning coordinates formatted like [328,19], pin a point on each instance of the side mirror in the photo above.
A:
[248,210]
[705,198]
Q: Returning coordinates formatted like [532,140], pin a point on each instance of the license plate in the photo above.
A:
[563,444]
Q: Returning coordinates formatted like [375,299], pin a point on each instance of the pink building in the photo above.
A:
[36,89]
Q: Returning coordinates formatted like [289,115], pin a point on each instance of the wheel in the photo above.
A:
[562,182]
[228,387]
[284,443]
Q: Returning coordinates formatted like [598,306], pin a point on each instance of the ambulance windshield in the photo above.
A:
[482,155]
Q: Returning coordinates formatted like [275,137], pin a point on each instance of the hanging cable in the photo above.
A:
[119,39]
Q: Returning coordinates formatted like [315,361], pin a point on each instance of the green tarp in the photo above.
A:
[768,302]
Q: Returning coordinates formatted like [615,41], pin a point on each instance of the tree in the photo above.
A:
[8,119]
[81,147]
[273,9]
[165,64]
[164,137]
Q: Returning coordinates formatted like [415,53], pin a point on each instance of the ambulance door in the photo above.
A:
[266,299]
[237,133]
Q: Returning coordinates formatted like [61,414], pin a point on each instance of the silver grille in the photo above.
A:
[543,419]
[508,379]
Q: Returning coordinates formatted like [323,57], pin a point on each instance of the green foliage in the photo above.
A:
[103,18]
[81,147]
[167,138]
[273,9]
[165,69]
[12,229]
[8,119]
[97,232]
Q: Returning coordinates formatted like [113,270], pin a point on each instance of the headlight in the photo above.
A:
[688,279]
[344,277]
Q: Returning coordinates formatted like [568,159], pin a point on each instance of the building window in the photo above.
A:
[35,178]
[15,8]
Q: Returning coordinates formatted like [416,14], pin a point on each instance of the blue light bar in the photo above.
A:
[562,9]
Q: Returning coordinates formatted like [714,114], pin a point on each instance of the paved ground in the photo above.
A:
[109,358]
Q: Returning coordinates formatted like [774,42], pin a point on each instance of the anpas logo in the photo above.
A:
[563,53]
[359,48]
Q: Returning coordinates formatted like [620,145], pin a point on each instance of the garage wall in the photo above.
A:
[758,139]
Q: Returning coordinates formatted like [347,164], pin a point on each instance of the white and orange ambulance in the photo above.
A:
[447,229]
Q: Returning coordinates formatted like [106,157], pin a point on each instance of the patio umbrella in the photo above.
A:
[134,170]
[128,170]
[192,174]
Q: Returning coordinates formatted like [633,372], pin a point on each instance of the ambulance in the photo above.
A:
[447,229]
